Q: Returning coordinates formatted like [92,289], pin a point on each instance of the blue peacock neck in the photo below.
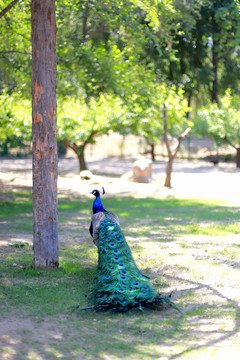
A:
[97,206]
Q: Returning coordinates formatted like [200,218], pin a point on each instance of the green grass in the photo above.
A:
[189,247]
[179,215]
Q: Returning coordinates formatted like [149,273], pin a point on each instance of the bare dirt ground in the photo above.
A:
[193,179]
[199,180]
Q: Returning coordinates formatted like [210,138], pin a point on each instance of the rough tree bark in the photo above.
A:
[44,134]
[171,153]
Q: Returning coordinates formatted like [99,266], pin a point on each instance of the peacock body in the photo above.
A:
[120,285]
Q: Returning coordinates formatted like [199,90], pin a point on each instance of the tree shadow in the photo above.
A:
[230,303]
[77,336]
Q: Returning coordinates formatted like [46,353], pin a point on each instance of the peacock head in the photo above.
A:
[96,192]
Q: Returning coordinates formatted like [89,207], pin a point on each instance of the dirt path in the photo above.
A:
[189,179]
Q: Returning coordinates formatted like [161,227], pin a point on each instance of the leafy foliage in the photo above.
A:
[161,98]
[136,55]
[15,117]
[221,121]
[78,120]
[15,47]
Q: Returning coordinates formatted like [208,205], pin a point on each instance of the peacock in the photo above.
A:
[120,285]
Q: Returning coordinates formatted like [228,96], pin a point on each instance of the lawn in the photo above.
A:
[188,247]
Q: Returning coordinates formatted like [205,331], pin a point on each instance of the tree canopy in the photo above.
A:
[134,52]
[222,122]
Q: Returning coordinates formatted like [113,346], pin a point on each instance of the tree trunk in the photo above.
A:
[169,172]
[171,153]
[5,148]
[238,157]
[44,134]
[153,152]
[170,156]
[189,104]
[81,158]
[214,96]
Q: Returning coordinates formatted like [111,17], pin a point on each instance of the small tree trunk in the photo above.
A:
[5,148]
[169,172]
[214,96]
[79,151]
[44,134]
[171,153]
[81,158]
[238,157]
[153,152]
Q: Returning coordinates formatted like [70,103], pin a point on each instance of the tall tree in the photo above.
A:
[207,48]
[44,134]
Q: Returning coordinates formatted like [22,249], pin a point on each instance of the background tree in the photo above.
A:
[158,109]
[121,49]
[79,123]
[171,108]
[202,51]
[222,122]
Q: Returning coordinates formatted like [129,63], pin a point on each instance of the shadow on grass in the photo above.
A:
[212,311]
[90,335]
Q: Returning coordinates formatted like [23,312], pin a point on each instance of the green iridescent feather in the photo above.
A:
[119,283]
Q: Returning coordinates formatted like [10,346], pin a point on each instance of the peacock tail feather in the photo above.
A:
[119,283]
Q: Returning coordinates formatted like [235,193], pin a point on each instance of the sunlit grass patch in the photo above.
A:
[214,229]
[187,247]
